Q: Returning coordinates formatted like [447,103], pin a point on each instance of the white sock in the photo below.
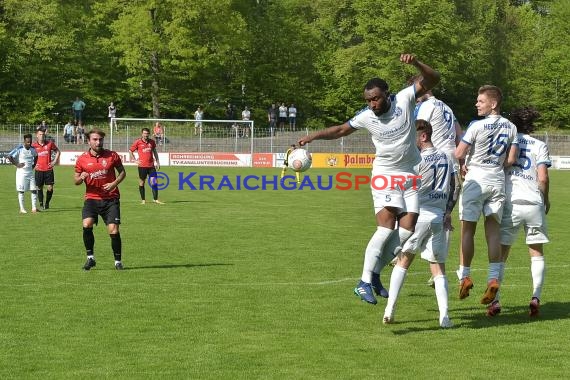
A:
[387,253]
[117,262]
[441,294]
[404,235]
[91,257]
[494,271]
[34,200]
[21,200]
[501,277]
[537,269]
[373,250]
[396,283]
[463,272]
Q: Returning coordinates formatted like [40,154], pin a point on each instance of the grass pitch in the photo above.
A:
[255,284]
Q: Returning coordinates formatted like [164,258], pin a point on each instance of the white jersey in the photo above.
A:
[442,120]
[490,139]
[25,156]
[393,133]
[435,170]
[522,177]
[198,115]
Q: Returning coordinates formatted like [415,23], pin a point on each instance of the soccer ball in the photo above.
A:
[300,160]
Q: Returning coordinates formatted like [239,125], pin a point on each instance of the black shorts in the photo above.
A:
[144,172]
[44,178]
[108,209]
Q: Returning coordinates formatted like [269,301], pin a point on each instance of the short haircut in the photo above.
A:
[492,92]
[28,136]
[523,118]
[95,131]
[423,126]
[376,82]
[145,130]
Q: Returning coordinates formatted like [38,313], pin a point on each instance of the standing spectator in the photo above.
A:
[158,133]
[80,133]
[147,162]
[396,155]
[282,117]
[485,147]
[272,119]
[96,168]
[246,116]
[25,157]
[198,116]
[44,168]
[292,117]
[69,132]
[527,186]
[112,115]
[78,106]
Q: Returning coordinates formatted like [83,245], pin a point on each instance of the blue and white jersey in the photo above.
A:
[435,170]
[490,139]
[393,133]
[442,120]
[26,156]
[522,177]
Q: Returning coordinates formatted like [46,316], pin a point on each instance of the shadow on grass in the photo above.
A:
[172,266]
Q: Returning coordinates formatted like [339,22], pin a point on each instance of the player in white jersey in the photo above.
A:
[485,147]
[389,119]
[25,157]
[436,204]
[527,203]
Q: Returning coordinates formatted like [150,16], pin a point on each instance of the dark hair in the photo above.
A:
[96,131]
[492,92]
[376,82]
[145,129]
[523,118]
[424,127]
[28,136]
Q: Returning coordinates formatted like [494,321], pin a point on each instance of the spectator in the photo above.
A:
[292,117]
[272,118]
[246,116]
[198,116]
[112,115]
[282,116]
[158,133]
[69,132]
[80,135]
[78,106]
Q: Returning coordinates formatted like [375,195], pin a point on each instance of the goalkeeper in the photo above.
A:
[286,163]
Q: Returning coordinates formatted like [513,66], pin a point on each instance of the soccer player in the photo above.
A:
[286,163]
[44,168]
[25,157]
[390,121]
[436,204]
[484,147]
[527,203]
[96,168]
[148,164]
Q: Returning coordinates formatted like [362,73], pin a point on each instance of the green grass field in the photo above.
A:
[255,284]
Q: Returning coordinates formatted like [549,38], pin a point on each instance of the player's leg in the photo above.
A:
[89,215]
[153,185]
[112,217]
[396,282]
[142,178]
[34,191]
[49,181]
[441,293]
[537,270]
[39,177]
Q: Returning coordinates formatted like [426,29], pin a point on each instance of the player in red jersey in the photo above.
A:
[96,168]
[44,168]
[148,163]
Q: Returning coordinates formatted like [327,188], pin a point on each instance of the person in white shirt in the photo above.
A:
[436,204]
[198,116]
[390,121]
[25,157]
[245,115]
[527,203]
[292,111]
[282,117]
[485,147]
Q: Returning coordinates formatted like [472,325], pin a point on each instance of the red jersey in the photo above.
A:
[44,155]
[144,149]
[101,170]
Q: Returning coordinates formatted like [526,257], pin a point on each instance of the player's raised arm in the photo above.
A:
[429,77]
[330,133]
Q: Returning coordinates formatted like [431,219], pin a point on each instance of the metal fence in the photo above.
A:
[222,136]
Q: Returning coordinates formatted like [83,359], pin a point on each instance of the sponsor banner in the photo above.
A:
[263,160]
[4,158]
[69,158]
[210,159]
[560,162]
[338,160]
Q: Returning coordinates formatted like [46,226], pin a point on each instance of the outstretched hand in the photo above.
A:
[408,59]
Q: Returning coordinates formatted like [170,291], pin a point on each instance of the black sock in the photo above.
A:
[88,240]
[41,197]
[154,193]
[49,194]
[141,190]
[116,245]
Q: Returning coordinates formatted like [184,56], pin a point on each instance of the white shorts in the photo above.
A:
[475,198]
[429,239]
[399,190]
[532,217]
[25,181]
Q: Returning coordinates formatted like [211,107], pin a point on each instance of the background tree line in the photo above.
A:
[163,58]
